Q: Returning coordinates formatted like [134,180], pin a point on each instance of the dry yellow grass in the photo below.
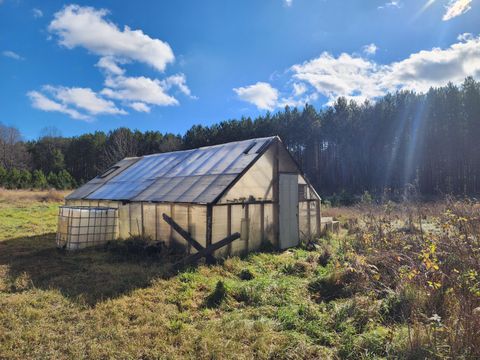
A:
[15,196]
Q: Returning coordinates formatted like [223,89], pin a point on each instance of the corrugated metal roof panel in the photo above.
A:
[195,176]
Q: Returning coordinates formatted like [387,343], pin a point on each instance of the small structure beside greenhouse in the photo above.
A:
[252,187]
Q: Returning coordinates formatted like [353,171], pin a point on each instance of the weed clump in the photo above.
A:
[298,268]
[324,257]
[136,247]
[246,274]
[218,295]
[335,285]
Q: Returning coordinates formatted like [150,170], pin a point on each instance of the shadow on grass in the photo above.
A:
[86,276]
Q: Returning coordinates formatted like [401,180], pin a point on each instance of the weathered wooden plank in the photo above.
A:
[182,232]
[207,251]
[209,225]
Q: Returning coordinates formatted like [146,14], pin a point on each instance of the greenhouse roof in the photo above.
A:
[190,176]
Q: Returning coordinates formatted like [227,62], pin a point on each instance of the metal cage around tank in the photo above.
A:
[82,226]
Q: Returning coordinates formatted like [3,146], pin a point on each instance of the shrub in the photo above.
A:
[24,179]
[39,180]
[3,176]
[13,179]
[398,305]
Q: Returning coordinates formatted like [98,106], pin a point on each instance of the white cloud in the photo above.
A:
[456,8]
[12,55]
[137,89]
[140,107]
[78,103]
[391,4]
[288,3]
[359,78]
[261,94]
[465,37]
[37,13]
[85,99]
[41,102]
[299,89]
[180,82]
[370,49]
[109,64]
[87,27]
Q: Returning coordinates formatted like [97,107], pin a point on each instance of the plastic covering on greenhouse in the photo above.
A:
[253,187]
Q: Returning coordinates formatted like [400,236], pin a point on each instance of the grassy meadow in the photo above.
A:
[398,281]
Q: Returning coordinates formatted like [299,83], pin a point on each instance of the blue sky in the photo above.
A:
[167,65]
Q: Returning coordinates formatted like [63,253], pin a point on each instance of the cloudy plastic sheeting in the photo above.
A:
[190,176]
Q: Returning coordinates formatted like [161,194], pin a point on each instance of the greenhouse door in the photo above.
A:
[288,210]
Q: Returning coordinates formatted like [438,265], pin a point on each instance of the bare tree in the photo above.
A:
[121,143]
[13,152]
[50,132]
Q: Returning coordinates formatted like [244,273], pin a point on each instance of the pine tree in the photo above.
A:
[39,180]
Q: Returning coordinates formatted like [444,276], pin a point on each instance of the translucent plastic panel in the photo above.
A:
[96,183]
[148,178]
[238,246]
[123,221]
[303,220]
[149,220]
[220,228]
[135,219]
[256,183]
[269,224]
[180,215]
[111,204]
[186,189]
[164,230]
[120,190]
[313,218]
[255,233]
[309,192]
[285,161]
[198,224]
[73,202]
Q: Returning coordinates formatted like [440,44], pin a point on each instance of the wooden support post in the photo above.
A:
[207,251]
[191,241]
[262,223]
[247,218]
[229,227]
[172,208]
[209,225]
[276,196]
[156,222]
[319,218]
[309,222]
[143,222]
[189,215]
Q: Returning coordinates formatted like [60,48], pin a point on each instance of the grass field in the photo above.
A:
[361,294]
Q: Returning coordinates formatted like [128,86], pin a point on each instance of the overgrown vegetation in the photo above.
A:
[399,281]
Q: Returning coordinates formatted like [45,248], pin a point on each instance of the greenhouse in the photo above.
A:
[252,187]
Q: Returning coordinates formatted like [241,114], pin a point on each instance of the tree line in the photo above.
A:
[403,141]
